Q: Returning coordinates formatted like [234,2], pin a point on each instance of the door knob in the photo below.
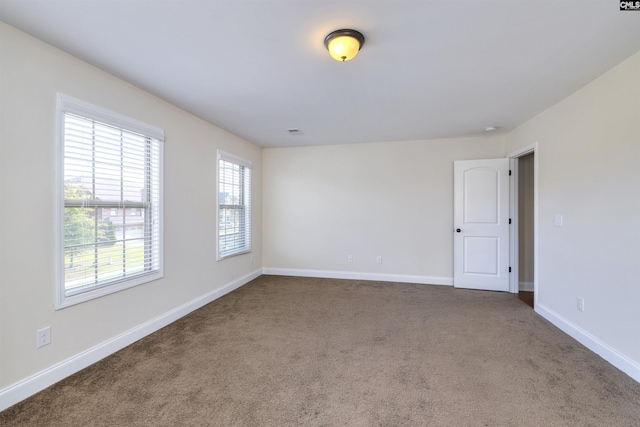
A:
[458,230]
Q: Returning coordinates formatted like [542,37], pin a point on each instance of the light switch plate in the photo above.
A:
[557,221]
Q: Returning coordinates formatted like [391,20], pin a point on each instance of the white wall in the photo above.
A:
[32,74]
[589,172]
[392,199]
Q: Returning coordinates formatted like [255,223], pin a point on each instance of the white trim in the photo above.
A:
[71,105]
[514,262]
[536,228]
[66,104]
[352,275]
[29,386]
[526,286]
[531,148]
[232,158]
[609,354]
[59,293]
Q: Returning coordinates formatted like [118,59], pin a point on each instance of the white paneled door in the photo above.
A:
[481,224]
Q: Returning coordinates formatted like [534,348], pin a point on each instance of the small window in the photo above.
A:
[109,164]
[234,205]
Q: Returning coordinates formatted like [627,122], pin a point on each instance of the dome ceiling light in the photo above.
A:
[344,45]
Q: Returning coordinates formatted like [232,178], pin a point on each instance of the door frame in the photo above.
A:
[514,284]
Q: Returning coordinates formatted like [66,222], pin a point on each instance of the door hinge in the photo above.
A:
[509,220]
[509,172]
[509,269]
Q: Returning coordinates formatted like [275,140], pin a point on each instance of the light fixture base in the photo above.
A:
[340,52]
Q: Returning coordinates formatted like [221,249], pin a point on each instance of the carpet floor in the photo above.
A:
[288,351]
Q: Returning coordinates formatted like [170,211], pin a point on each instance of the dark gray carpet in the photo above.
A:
[285,351]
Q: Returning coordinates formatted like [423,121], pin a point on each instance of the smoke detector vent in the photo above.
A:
[295,131]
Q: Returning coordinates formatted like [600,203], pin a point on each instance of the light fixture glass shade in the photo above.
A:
[343,48]
[343,45]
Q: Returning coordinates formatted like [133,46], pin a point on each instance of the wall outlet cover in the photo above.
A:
[43,336]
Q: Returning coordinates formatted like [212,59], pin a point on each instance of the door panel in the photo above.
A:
[481,222]
[481,204]
[481,255]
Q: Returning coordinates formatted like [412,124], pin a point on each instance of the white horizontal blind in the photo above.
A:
[111,180]
[234,205]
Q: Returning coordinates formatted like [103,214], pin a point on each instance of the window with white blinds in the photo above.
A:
[234,205]
[111,202]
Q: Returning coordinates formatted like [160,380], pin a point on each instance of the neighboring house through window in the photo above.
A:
[109,163]
[234,205]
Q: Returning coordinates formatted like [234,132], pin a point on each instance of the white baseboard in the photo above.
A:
[526,286]
[327,274]
[609,354]
[29,386]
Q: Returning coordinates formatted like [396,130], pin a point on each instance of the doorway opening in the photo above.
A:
[524,232]
[526,228]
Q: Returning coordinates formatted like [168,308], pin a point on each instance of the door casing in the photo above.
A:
[514,241]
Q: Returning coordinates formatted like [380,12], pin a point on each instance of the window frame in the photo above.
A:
[68,105]
[231,158]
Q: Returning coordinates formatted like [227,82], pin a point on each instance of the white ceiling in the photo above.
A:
[428,69]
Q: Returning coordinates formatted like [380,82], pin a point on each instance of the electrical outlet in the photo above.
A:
[43,336]
[350,258]
[378,260]
[251,259]
[580,304]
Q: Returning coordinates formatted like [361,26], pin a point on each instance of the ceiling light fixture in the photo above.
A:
[344,45]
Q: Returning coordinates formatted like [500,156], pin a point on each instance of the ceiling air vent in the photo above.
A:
[295,131]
